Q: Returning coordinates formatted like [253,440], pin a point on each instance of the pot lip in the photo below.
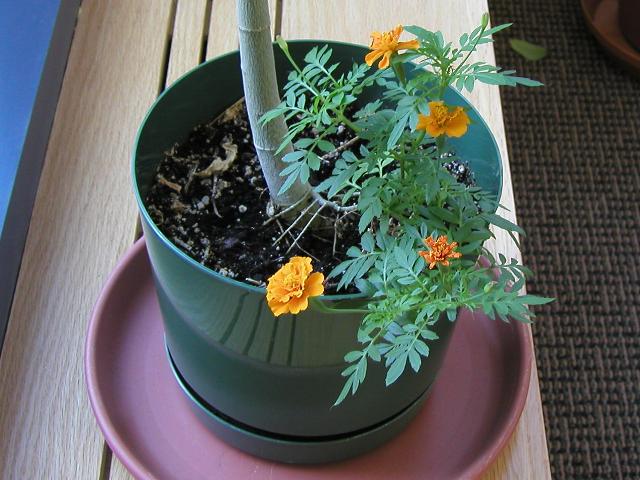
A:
[210,272]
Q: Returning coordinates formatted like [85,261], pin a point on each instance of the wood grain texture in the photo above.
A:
[119,471]
[84,214]
[526,456]
[189,30]
[82,222]
[223,28]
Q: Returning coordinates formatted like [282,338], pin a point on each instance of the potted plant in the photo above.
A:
[384,171]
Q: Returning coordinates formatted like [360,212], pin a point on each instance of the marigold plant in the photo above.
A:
[398,185]
[385,45]
[440,251]
[290,288]
[443,120]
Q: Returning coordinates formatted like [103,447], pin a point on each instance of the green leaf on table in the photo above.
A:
[528,50]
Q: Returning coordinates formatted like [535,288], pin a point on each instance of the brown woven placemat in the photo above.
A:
[575,158]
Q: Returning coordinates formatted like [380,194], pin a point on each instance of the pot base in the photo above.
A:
[295,449]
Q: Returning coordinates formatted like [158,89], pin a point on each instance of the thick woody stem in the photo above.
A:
[261,95]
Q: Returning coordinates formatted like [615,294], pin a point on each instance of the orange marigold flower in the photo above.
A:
[289,289]
[443,119]
[440,251]
[386,44]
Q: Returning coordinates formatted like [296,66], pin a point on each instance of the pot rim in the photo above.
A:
[210,272]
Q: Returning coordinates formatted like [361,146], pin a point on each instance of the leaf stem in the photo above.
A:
[321,307]
[338,208]
[418,140]
[398,69]
[471,50]
[347,122]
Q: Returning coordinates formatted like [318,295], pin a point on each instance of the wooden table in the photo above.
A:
[124,53]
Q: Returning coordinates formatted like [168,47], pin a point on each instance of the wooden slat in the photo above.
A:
[184,55]
[526,456]
[189,31]
[221,37]
[118,471]
[223,29]
[82,222]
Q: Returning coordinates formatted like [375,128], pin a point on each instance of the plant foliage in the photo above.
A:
[403,194]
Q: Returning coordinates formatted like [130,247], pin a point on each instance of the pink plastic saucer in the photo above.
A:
[147,421]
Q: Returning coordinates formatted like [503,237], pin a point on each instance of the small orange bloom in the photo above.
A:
[386,44]
[443,119]
[440,251]
[290,287]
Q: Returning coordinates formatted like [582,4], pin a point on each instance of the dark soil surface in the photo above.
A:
[222,221]
[220,218]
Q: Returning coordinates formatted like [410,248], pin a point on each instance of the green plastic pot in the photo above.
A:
[273,377]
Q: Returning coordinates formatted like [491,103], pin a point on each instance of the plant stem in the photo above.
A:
[338,208]
[340,148]
[398,69]
[464,60]
[261,95]
[442,89]
[418,140]
[295,221]
[284,212]
[403,172]
[347,122]
[304,229]
[318,305]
